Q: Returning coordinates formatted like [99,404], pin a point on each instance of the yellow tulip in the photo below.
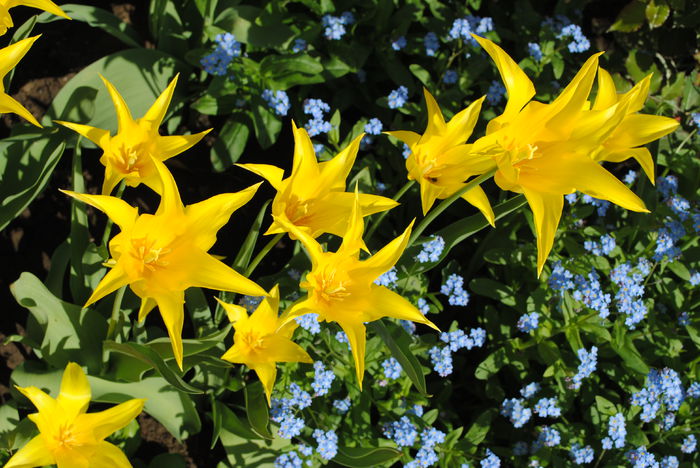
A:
[313,197]
[9,58]
[161,255]
[68,436]
[129,154]
[341,287]
[547,150]
[441,161]
[262,340]
[5,5]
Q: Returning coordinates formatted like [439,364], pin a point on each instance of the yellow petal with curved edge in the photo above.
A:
[640,129]
[172,145]
[170,202]
[312,247]
[13,53]
[72,459]
[42,402]
[638,94]
[477,198]
[109,456]
[233,312]
[429,192]
[156,113]
[147,305]
[518,86]
[267,373]
[119,211]
[334,172]
[385,258]
[595,181]
[204,271]
[546,210]
[461,126]
[408,137]
[357,340]
[97,135]
[171,307]
[45,5]
[109,421]
[387,303]
[205,218]
[300,307]
[272,174]
[75,392]
[607,94]
[34,453]
[304,164]
[113,280]
[281,349]
[112,179]
[9,105]
[124,119]
[642,155]
[352,238]
[436,121]
[565,109]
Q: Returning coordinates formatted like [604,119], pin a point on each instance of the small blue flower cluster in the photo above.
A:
[317,109]
[463,27]
[450,77]
[695,117]
[441,359]
[630,177]
[560,279]
[454,286]
[388,278]
[398,97]
[426,456]
[601,205]
[431,44]
[250,303]
[277,100]
[309,322]
[398,43]
[689,444]
[666,239]
[535,51]
[549,437]
[581,455]
[589,292]
[491,460]
[669,462]
[343,406]
[342,338]
[515,410]
[530,390]
[431,250]
[641,458]
[528,322]
[495,93]
[694,390]
[374,126]
[299,45]
[327,442]
[402,432]
[662,387]
[227,48]
[579,43]
[589,362]
[289,460]
[547,407]
[392,368]
[335,25]
[458,339]
[628,297]
[668,421]
[281,412]
[616,432]
[423,306]
[603,247]
[322,379]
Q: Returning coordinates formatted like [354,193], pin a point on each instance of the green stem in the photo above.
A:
[383,214]
[425,222]
[265,250]
[114,318]
[110,223]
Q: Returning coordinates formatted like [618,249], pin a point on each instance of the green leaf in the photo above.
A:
[26,164]
[22,32]
[493,289]
[631,17]
[251,453]
[334,134]
[229,146]
[256,409]
[557,65]
[147,355]
[358,457]
[267,126]
[491,364]
[421,73]
[478,431]
[64,331]
[285,71]
[215,105]
[225,419]
[104,20]
[245,253]
[398,342]
[657,12]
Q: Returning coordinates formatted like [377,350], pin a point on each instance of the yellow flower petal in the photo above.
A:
[115,278]
[45,5]
[39,399]
[96,135]
[429,192]
[477,197]
[387,303]
[109,421]
[357,340]
[119,211]
[334,172]
[171,307]
[13,53]
[75,393]
[386,257]
[35,453]
[170,201]
[147,305]
[408,137]
[436,121]
[233,312]
[124,119]
[460,127]
[172,145]
[546,209]
[267,373]
[272,174]
[640,129]
[282,349]
[642,155]
[566,107]
[9,105]
[607,93]
[156,113]
[207,272]
[109,456]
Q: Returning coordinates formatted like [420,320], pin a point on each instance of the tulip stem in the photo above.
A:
[265,250]
[383,214]
[114,318]
[425,222]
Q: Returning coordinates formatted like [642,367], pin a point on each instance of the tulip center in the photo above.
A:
[64,437]
[514,155]
[152,256]
[252,341]
[132,158]
[327,288]
[296,211]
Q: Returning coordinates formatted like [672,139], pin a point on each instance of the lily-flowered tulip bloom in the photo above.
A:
[441,161]
[341,286]
[546,150]
[161,255]
[262,340]
[313,197]
[5,5]
[635,129]
[68,436]
[9,57]
[129,154]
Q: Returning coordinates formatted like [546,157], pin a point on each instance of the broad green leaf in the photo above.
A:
[334,134]
[245,253]
[398,341]
[285,71]
[359,457]
[491,364]
[251,453]
[421,73]
[480,428]
[215,105]
[66,332]
[657,12]
[257,409]
[631,17]
[267,126]
[26,164]
[493,289]
[104,20]
[225,419]
[229,145]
